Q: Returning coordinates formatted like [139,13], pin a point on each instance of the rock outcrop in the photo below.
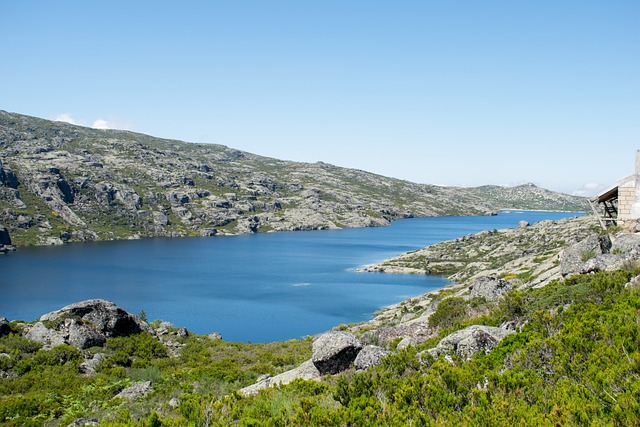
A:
[334,351]
[135,391]
[370,356]
[85,324]
[469,341]
[573,258]
[306,371]
[490,288]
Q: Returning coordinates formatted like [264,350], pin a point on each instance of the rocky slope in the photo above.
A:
[60,182]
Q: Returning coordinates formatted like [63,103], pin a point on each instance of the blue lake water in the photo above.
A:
[259,288]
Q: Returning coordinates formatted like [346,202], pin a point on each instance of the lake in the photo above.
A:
[259,287]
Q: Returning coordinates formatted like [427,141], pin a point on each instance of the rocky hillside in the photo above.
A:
[495,349]
[60,182]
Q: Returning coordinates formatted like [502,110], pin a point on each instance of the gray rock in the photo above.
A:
[89,365]
[334,351]
[163,328]
[573,258]
[48,337]
[306,371]
[215,336]
[626,244]
[5,328]
[160,219]
[85,324]
[604,262]
[469,341]
[490,288]
[135,391]
[104,316]
[174,403]
[82,422]
[523,224]
[369,356]
[181,332]
[80,335]
[406,342]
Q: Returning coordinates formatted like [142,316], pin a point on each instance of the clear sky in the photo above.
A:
[465,92]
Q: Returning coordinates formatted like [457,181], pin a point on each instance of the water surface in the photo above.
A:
[259,288]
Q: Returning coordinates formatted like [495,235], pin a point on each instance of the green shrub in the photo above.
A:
[450,312]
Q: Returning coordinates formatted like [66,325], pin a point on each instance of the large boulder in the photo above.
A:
[627,244]
[573,258]
[85,324]
[490,288]
[369,356]
[104,316]
[469,341]
[334,351]
[604,262]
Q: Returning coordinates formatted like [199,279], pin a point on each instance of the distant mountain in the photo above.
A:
[60,182]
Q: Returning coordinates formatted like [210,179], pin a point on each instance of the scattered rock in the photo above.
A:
[572,259]
[181,332]
[163,328]
[82,422]
[369,356]
[174,403]
[490,288]
[604,262]
[406,342]
[135,391]
[469,341]
[334,351]
[306,371]
[215,336]
[89,365]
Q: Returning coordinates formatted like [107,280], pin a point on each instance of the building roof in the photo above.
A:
[608,194]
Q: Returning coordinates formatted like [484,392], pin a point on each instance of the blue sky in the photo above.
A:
[443,92]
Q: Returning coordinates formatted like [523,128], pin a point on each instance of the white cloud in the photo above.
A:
[97,124]
[100,124]
[65,117]
[111,124]
[589,189]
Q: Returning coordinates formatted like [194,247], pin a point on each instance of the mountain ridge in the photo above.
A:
[61,182]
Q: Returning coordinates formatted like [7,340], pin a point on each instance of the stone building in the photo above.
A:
[621,203]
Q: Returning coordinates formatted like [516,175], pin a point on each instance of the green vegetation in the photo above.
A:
[574,361]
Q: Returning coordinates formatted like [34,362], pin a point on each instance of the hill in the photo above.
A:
[60,182]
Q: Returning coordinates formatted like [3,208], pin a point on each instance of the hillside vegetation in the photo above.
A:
[60,182]
[569,355]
